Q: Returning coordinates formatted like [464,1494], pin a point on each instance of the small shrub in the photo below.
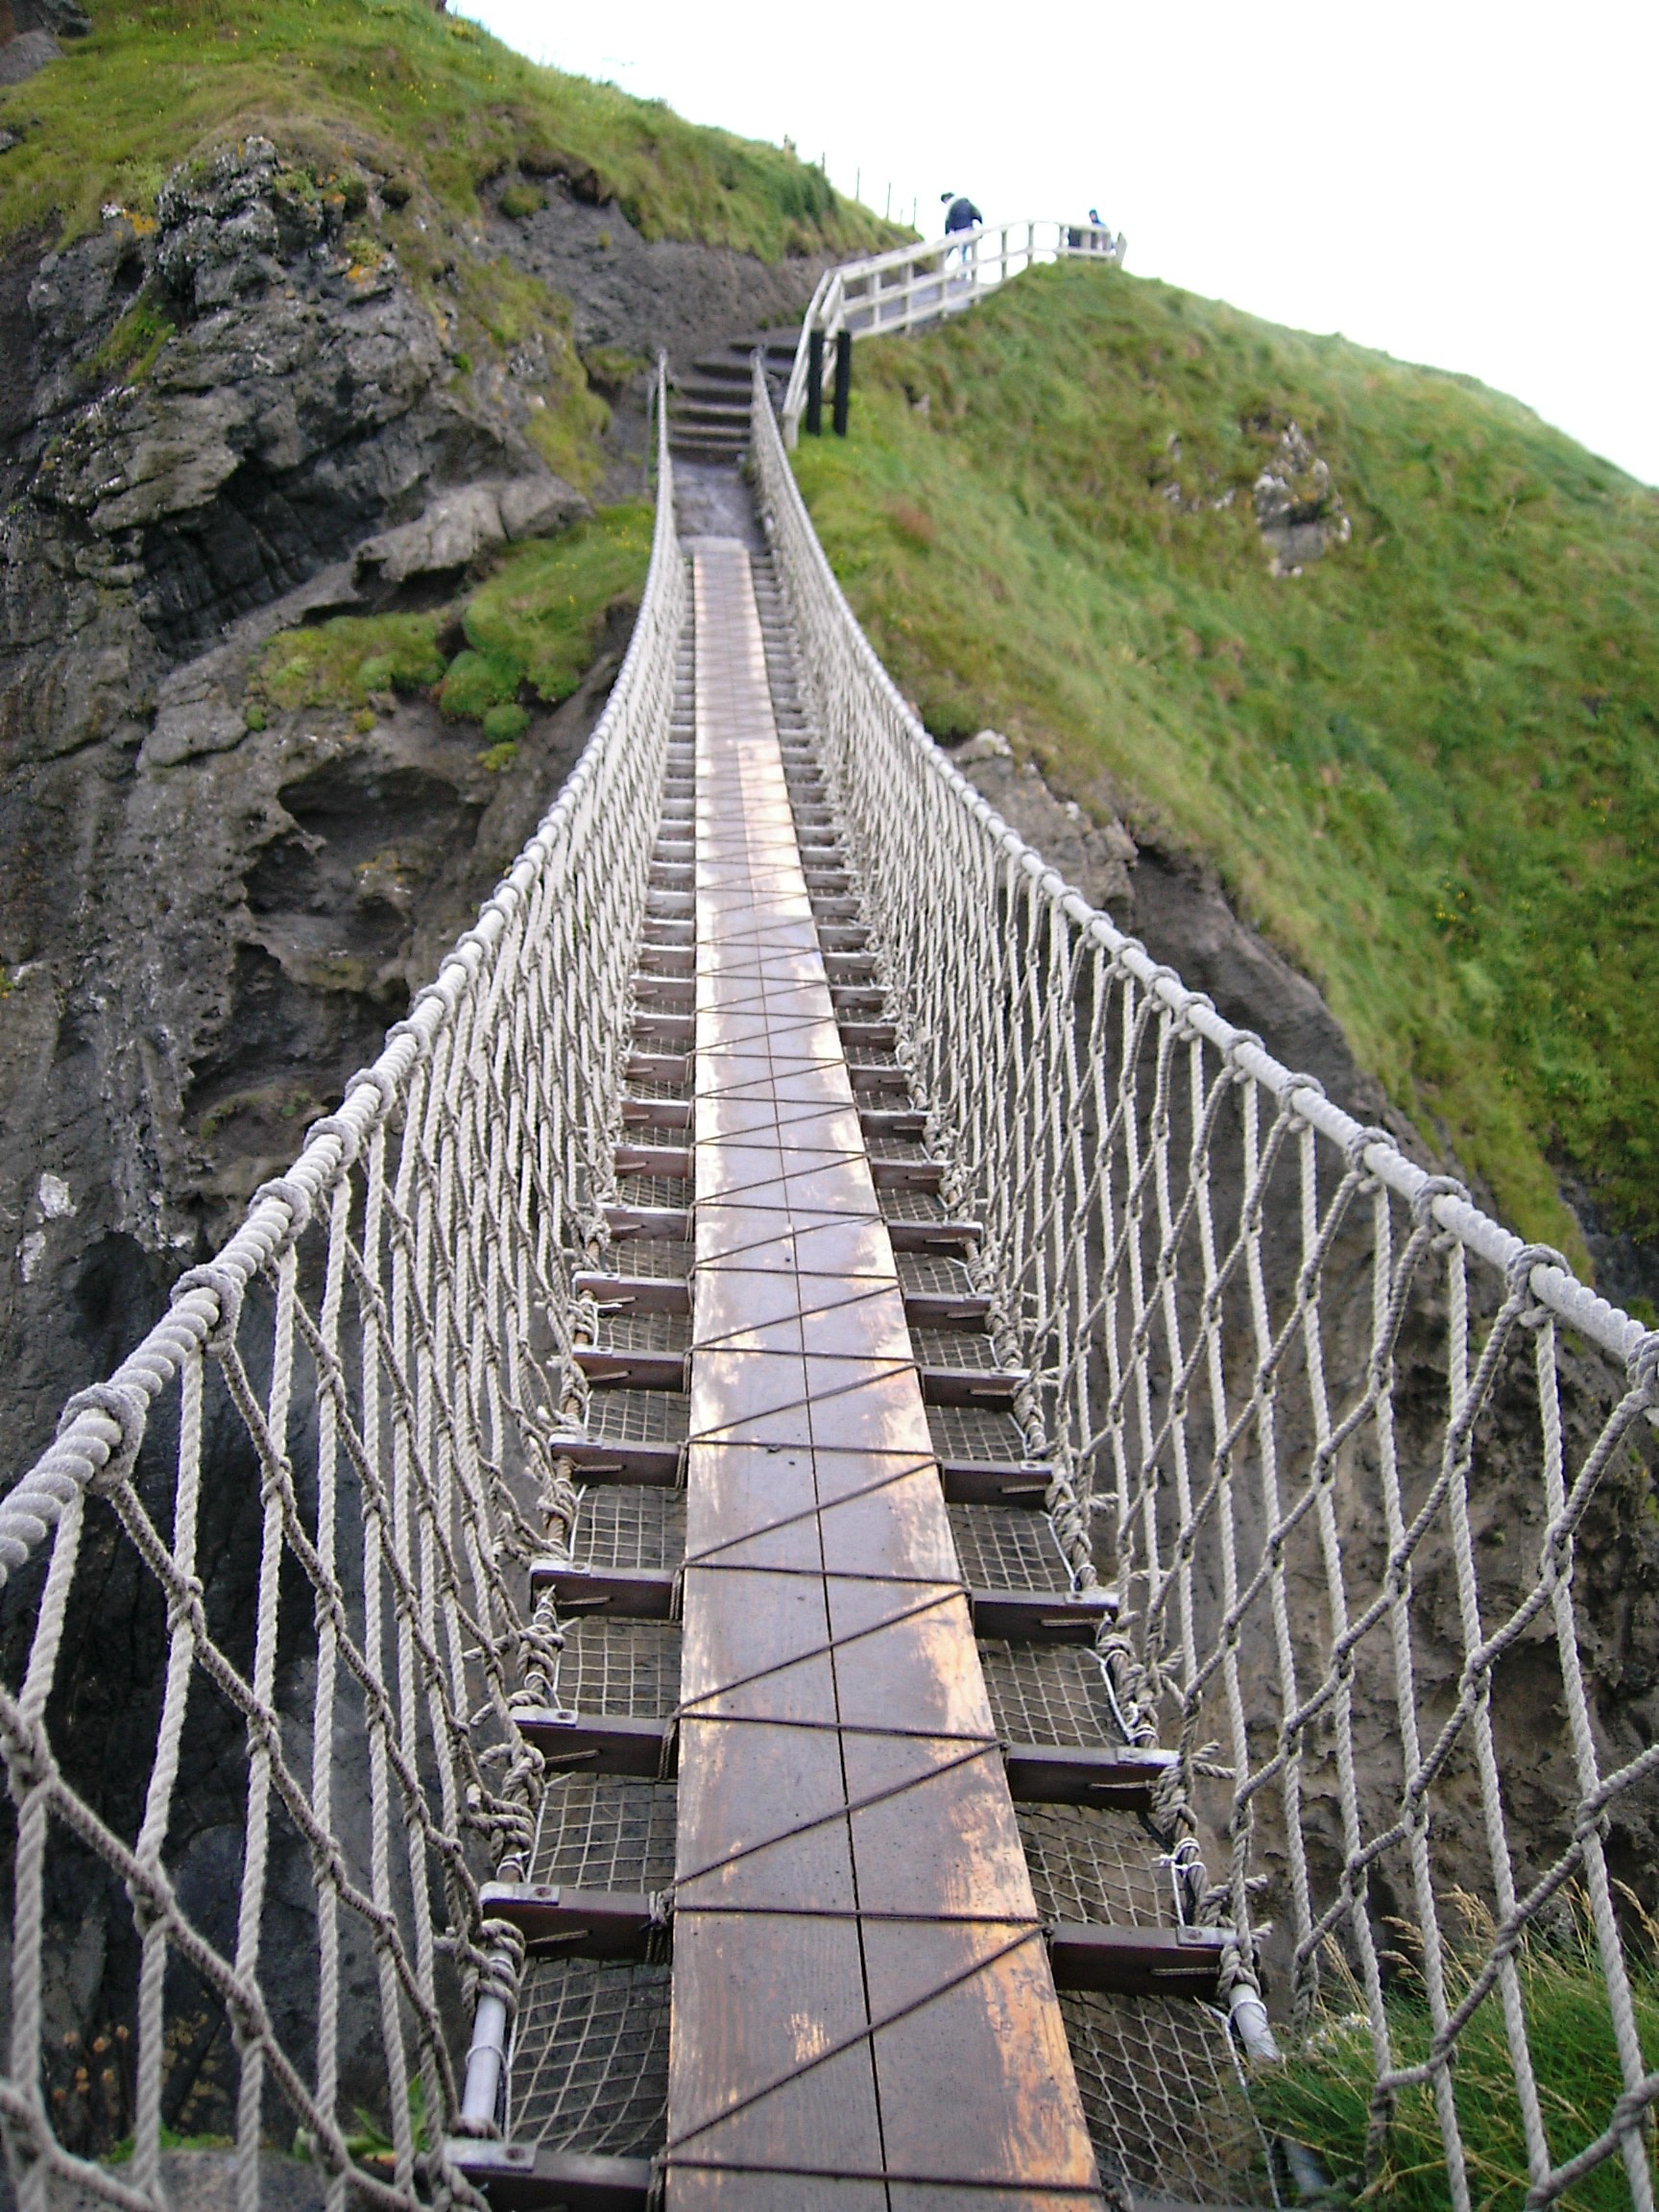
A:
[338,663]
[363,721]
[475,683]
[396,192]
[522,201]
[499,756]
[506,724]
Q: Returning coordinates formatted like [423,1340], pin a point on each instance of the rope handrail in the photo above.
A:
[940,277]
[373,1368]
[1337,1498]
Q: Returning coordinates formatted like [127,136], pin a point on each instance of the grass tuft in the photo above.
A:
[1427,766]
[1320,2095]
[535,624]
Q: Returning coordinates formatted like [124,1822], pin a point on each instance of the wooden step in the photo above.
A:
[641,1466]
[527,2177]
[1112,1777]
[601,1742]
[1139,1962]
[673,1160]
[628,1369]
[992,1389]
[633,1293]
[614,1925]
[649,1594]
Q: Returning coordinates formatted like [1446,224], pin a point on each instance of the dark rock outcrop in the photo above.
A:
[239,416]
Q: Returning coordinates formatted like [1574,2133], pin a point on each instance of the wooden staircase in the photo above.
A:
[708,403]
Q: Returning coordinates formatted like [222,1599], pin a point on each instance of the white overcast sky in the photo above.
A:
[1456,182]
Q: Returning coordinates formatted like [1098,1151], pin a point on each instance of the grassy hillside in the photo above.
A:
[394,84]
[1427,766]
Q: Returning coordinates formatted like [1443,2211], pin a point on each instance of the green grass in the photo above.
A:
[1428,768]
[532,629]
[430,101]
[1320,2096]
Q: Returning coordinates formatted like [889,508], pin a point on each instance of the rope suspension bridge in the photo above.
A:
[873,1529]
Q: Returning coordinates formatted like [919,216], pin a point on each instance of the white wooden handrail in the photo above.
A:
[903,290]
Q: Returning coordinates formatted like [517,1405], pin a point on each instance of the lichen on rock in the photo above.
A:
[1299,510]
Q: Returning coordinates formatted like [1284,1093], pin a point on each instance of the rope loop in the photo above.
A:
[1300,1083]
[1355,1147]
[1240,1038]
[1518,1279]
[1435,1187]
[1642,1367]
[377,1079]
[229,1287]
[336,1126]
[293,1195]
[127,1406]
[1197,1002]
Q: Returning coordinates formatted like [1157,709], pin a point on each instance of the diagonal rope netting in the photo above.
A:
[286,1543]
[1371,1478]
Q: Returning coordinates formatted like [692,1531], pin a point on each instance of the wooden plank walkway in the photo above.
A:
[864,2009]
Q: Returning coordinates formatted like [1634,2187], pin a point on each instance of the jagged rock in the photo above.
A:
[1096,858]
[457,528]
[1298,508]
[24,56]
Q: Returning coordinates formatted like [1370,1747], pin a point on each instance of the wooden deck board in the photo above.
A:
[863,2014]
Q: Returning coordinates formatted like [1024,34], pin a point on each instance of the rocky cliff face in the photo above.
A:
[238,418]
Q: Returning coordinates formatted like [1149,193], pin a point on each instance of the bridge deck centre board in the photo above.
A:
[862,1999]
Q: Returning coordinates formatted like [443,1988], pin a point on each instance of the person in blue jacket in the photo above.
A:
[961,214]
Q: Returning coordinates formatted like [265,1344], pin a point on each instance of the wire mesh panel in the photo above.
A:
[630,1668]
[1369,1473]
[1089,1865]
[629,1528]
[301,1513]
[1054,1696]
[606,1832]
[594,2071]
[1000,1550]
[1164,2102]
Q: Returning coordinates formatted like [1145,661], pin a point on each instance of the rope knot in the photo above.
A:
[1642,1367]
[228,1287]
[1299,1086]
[337,1126]
[1358,1144]
[286,1190]
[127,1406]
[1435,1187]
[1517,1278]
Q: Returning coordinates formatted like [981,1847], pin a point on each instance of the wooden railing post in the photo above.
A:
[815,383]
[843,379]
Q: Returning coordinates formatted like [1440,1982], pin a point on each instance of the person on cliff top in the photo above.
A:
[960,216]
